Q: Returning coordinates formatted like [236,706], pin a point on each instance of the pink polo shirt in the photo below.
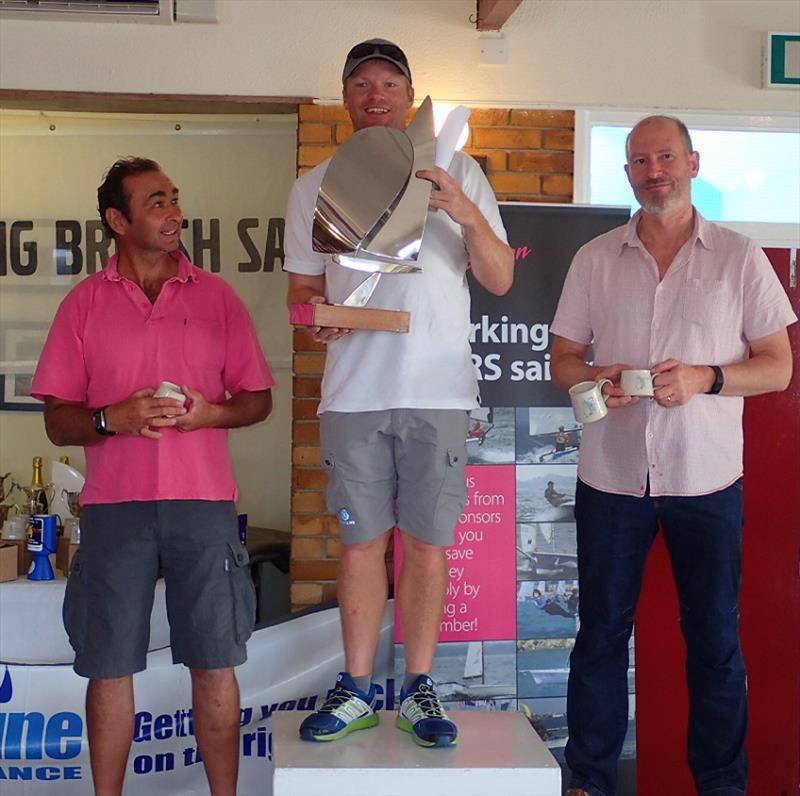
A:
[107,341]
[718,293]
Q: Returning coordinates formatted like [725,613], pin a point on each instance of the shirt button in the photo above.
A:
[650,435]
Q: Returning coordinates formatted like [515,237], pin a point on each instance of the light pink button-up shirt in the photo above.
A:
[719,293]
[107,341]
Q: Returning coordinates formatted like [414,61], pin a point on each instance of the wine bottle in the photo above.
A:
[38,491]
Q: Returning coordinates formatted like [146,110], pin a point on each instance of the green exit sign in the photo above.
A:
[782,60]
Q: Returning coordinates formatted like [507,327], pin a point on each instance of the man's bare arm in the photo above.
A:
[568,366]
[767,369]
[491,259]
[140,414]
[242,409]
[304,287]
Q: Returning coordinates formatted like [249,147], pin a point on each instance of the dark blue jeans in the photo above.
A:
[703,537]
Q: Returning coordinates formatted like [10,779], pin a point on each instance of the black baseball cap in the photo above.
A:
[375,48]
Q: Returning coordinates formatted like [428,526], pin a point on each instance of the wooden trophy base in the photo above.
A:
[341,317]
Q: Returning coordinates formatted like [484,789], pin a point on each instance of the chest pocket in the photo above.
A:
[707,301]
[203,343]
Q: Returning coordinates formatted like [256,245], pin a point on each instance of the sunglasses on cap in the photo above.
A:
[387,50]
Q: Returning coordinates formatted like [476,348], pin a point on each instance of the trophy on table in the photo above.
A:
[370,215]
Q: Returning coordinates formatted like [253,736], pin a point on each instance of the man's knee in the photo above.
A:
[712,640]
[363,552]
[108,689]
[213,678]
[422,553]
[110,683]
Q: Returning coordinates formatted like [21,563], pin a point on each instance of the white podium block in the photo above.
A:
[497,753]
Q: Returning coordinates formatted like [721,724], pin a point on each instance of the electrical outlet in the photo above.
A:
[493,48]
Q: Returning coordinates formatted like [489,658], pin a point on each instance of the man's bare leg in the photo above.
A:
[363,588]
[215,708]
[109,724]
[420,595]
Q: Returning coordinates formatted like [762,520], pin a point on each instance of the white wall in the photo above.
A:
[563,53]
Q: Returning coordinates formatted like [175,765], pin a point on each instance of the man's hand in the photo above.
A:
[200,414]
[614,395]
[141,413]
[448,196]
[324,334]
[675,382]
[242,409]
[310,289]
[568,367]
[491,260]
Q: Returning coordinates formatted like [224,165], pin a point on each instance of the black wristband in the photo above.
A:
[99,422]
[719,380]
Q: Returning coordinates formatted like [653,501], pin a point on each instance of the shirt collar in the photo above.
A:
[701,231]
[186,272]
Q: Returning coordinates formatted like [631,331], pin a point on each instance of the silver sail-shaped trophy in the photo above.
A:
[370,216]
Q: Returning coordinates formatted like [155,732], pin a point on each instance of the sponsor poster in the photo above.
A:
[511,611]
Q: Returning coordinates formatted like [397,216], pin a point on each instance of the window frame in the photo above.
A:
[767,234]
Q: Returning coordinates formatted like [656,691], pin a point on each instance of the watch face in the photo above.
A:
[719,380]
[99,420]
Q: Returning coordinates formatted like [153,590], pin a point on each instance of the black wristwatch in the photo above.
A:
[100,424]
[719,380]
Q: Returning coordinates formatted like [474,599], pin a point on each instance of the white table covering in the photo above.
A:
[31,627]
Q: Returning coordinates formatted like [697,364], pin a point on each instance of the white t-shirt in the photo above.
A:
[430,367]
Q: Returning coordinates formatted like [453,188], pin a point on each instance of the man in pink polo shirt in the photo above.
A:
[702,309]
[159,485]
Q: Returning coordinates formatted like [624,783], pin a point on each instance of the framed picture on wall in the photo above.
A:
[21,346]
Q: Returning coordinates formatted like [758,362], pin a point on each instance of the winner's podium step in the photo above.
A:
[497,753]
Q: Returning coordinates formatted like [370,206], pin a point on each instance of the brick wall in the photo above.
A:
[529,158]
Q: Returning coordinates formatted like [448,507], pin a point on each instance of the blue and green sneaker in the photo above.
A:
[421,714]
[345,710]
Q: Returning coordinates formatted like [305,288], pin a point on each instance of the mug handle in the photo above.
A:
[600,385]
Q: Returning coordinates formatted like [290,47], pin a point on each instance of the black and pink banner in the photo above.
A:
[511,612]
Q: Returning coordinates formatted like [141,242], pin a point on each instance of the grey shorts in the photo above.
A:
[109,596]
[397,466]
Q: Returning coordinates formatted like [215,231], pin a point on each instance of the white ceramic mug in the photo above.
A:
[637,382]
[587,400]
[169,390]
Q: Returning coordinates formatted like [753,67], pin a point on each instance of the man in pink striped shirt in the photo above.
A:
[701,308]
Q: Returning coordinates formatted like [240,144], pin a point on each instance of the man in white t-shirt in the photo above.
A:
[395,408]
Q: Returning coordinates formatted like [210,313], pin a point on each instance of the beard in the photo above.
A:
[660,204]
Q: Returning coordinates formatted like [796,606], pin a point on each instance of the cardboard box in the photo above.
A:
[342,317]
[8,561]
[62,551]
[71,550]
[24,559]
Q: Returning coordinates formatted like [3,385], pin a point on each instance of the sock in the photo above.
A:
[363,683]
[409,679]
